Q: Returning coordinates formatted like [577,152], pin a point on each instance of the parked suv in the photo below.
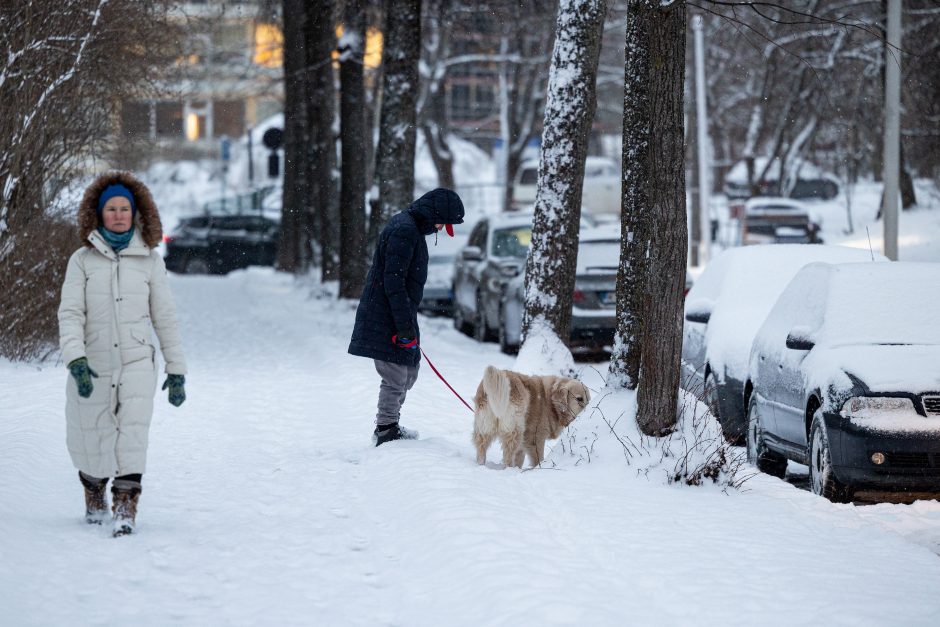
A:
[218,244]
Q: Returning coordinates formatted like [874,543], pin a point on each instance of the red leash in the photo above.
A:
[441,377]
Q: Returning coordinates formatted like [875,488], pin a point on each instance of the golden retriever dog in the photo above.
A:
[523,411]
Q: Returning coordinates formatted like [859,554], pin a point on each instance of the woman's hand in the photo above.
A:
[177,392]
[82,373]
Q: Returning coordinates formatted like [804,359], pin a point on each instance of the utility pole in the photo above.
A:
[701,140]
[892,130]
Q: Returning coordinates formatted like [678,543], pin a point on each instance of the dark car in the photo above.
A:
[844,376]
[724,310]
[594,304]
[218,244]
[779,221]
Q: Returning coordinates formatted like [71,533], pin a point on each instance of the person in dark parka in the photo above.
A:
[386,327]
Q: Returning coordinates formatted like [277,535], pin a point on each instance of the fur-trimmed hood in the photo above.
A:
[147,220]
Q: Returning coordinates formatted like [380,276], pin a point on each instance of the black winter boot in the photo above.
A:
[394,431]
[125,494]
[96,499]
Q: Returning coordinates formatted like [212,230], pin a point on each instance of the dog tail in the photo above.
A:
[496,387]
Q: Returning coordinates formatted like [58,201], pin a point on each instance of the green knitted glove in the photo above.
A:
[82,373]
[177,392]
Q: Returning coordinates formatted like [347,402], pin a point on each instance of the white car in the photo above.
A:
[600,194]
[724,310]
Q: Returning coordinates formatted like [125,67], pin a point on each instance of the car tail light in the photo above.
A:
[737,211]
[578,296]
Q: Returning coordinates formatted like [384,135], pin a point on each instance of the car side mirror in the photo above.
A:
[471,253]
[509,270]
[799,339]
[699,311]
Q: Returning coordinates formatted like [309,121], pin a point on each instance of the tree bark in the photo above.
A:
[395,156]
[661,344]
[569,113]
[635,216]
[352,270]
[322,220]
[289,253]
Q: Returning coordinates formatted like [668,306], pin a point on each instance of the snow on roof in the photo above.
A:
[740,287]
[805,169]
[876,321]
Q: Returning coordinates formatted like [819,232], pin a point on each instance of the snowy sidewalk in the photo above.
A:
[265,504]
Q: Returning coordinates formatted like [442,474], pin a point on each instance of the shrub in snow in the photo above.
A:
[693,454]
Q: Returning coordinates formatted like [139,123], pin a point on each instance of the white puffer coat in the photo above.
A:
[111,303]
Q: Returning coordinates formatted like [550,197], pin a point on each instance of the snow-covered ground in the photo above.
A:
[265,504]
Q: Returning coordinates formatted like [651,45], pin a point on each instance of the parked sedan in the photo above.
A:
[218,244]
[845,377]
[593,312]
[495,253]
[780,221]
[724,310]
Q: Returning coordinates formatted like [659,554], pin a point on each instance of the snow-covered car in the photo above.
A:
[805,181]
[594,305]
[438,296]
[780,220]
[600,193]
[724,310]
[845,377]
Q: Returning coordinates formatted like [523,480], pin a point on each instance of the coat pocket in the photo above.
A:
[141,348]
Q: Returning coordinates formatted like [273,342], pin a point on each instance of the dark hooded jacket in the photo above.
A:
[395,283]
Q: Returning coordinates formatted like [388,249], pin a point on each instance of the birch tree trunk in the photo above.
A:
[395,156]
[295,137]
[352,253]
[569,112]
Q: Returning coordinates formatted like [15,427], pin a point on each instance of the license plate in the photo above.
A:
[608,298]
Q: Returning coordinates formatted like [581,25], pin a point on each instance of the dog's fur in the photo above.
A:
[523,411]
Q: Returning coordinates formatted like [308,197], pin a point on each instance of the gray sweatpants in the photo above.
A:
[396,381]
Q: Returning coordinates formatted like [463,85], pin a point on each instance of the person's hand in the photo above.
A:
[177,392]
[405,339]
[82,373]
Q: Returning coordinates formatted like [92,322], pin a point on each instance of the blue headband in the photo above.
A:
[112,191]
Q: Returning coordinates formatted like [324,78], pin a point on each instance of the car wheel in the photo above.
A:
[196,265]
[481,330]
[758,454]
[822,479]
[504,345]
[711,399]
[460,323]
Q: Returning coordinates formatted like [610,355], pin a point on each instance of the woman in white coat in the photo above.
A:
[114,296]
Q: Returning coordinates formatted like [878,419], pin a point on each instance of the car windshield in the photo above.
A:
[513,242]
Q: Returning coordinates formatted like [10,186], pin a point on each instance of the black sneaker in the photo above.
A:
[394,431]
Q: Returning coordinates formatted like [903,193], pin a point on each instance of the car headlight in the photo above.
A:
[875,406]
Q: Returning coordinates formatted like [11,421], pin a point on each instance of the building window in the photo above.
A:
[269,46]
[135,119]
[169,119]
[228,118]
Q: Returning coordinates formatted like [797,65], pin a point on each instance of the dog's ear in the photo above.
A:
[561,401]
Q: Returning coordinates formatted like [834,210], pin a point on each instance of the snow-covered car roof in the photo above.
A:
[760,202]
[804,169]
[740,286]
[877,321]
